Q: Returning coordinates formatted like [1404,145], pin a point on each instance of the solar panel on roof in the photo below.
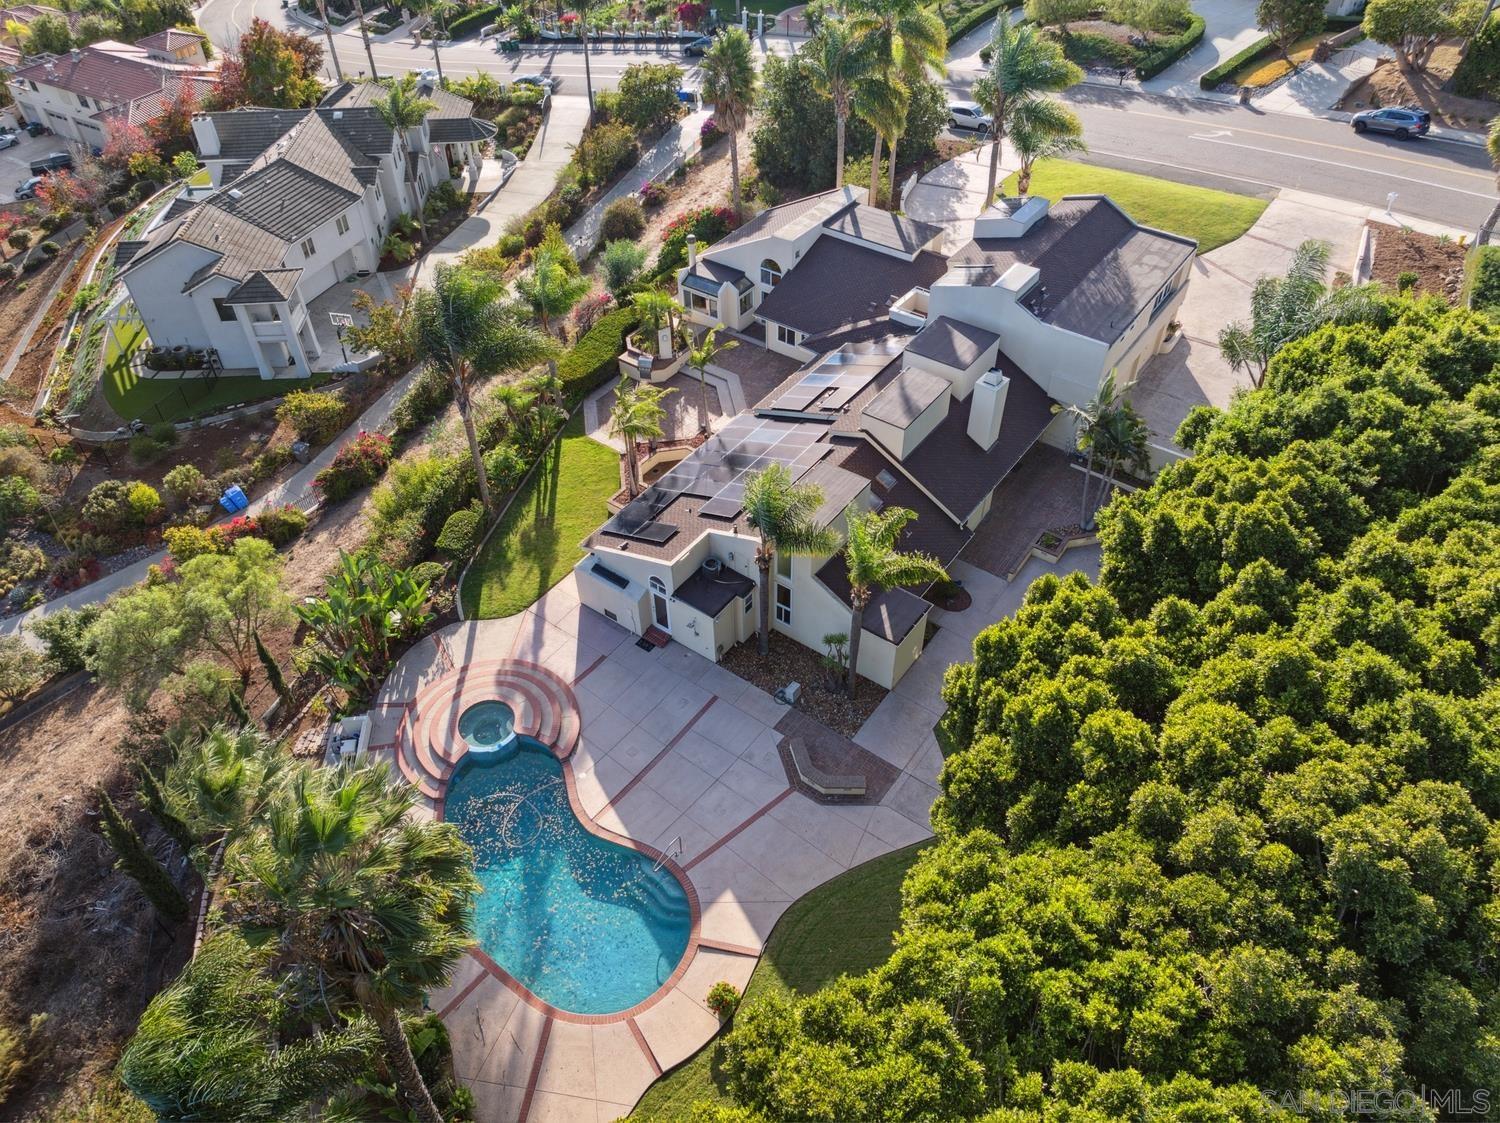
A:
[721,508]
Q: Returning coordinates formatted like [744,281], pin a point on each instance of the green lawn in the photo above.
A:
[174,399]
[537,543]
[843,927]
[1211,217]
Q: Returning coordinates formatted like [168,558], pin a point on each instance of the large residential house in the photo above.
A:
[929,371]
[297,201]
[79,94]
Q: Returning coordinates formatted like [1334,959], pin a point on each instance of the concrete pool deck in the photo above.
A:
[672,746]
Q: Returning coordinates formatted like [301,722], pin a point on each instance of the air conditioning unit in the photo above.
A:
[788,694]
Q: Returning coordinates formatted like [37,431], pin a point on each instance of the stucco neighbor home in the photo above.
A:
[929,371]
[296,201]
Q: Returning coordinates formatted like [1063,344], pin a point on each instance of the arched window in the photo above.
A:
[770,273]
[658,585]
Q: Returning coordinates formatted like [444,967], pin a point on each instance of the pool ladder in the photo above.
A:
[673,850]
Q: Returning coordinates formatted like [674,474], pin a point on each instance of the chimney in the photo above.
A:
[692,248]
[205,135]
[77,54]
[986,408]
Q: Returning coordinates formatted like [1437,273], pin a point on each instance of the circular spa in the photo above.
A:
[587,925]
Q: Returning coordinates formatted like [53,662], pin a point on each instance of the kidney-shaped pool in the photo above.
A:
[584,923]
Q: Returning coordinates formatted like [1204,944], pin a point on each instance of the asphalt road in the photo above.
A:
[1228,146]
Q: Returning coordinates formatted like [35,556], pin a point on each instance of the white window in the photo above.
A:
[783,603]
[342,225]
[787,336]
[747,299]
[708,305]
[308,249]
[770,273]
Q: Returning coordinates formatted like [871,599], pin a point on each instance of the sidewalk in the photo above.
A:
[680,143]
[529,184]
[1315,89]
[1229,27]
[296,490]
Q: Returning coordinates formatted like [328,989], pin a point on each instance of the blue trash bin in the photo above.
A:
[234,499]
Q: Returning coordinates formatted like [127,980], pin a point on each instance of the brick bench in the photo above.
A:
[824,783]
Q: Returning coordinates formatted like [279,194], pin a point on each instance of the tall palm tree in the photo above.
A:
[1023,64]
[585,8]
[659,310]
[461,327]
[438,11]
[1492,146]
[637,415]
[369,903]
[784,515]
[1291,306]
[402,110]
[222,781]
[839,64]
[364,33]
[906,40]
[1087,417]
[881,100]
[876,565]
[1043,129]
[729,84]
[338,71]
[699,359]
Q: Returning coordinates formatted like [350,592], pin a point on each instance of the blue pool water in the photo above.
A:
[584,923]
[487,726]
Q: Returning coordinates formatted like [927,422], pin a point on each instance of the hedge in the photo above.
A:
[1164,52]
[1483,281]
[473,21]
[593,361]
[1210,79]
[1478,74]
[976,16]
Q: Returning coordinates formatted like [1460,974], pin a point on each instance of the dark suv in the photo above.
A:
[1402,122]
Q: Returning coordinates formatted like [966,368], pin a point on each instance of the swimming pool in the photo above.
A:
[488,726]
[584,923]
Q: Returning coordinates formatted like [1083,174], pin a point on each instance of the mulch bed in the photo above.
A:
[1438,264]
[788,662]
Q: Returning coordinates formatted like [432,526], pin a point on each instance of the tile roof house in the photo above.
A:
[78,94]
[929,372]
[296,201]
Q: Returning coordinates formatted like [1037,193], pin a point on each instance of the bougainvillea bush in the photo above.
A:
[358,464]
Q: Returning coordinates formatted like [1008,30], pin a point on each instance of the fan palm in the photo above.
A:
[222,781]
[462,328]
[729,85]
[881,100]
[1291,306]
[906,41]
[637,415]
[401,110]
[438,11]
[1492,146]
[839,63]
[1087,417]
[784,515]
[1043,128]
[364,900]
[876,565]
[658,308]
[1023,65]
[699,359]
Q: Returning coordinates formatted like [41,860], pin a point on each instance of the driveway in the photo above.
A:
[15,163]
[1229,27]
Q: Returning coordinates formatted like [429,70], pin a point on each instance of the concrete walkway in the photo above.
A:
[1315,89]
[296,490]
[952,194]
[1229,27]
[529,184]
[679,144]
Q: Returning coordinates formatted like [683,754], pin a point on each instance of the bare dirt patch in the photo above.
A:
[1388,84]
[1438,264]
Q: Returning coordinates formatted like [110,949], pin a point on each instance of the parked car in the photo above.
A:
[36,128]
[1402,122]
[8,140]
[427,77]
[52,162]
[27,190]
[540,81]
[696,48]
[969,115]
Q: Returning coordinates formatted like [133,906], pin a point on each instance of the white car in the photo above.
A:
[540,81]
[8,140]
[969,115]
[429,77]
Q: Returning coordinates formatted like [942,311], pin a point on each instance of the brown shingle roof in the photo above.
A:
[882,228]
[951,342]
[907,397]
[169,39]
[105,75]
[839,284]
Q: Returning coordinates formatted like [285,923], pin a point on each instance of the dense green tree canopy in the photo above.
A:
[1226,821]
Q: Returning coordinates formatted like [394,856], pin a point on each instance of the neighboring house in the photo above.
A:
[22,15]
[297,201]
[77,95]
[930,374]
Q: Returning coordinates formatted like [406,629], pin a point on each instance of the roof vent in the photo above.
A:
[235,193]
[885,479]
[338,114]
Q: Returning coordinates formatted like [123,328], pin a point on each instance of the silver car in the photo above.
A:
[969,115]
[1402,122]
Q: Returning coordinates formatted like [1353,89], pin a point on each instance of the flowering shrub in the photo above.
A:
[708,224]
[279,525]
[691,13]
[185,543]
[590,309]
[652,194]
[241,526]
[358,464]
[709,132]
[723,998]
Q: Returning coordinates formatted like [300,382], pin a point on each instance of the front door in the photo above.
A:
[659,605]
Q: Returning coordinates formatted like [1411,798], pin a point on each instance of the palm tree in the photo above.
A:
[729,84]
[1023,64]
[784,515]
[463,329]
[658,309]
[881,100]
[1087,417]
[876,565]
[401,110]
[906,40]
[585,8]
[699,359]
[1122,438]
[1492,146]
[364,33]
[1291,306]
[637,415]
[222,781]
[333,53]
[1042,128]
[437,11]
[368,903]
[839,64]
[552,286]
